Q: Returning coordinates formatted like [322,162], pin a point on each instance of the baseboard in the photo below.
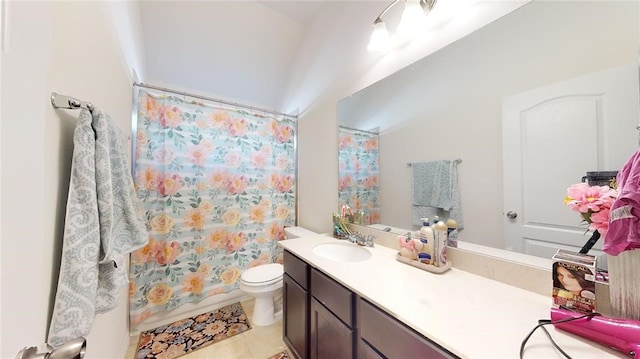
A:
[125,347]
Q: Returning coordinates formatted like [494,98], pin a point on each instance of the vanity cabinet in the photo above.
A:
[332,333]
[324,320]
[295,297]
[382,336]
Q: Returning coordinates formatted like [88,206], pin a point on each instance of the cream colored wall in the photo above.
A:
[317,168]
[70,48]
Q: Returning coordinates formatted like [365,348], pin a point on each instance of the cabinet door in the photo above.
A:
[366,352]
[295,317]
[330,338]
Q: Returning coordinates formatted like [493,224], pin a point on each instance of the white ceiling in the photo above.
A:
[235,50]
[300,11]
[259,52]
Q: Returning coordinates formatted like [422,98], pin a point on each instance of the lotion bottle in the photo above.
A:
[439,244]
[427,239]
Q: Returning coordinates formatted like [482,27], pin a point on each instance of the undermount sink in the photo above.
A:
[342,252]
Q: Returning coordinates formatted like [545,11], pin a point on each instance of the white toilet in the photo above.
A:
[264,283]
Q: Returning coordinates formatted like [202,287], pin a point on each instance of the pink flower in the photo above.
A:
[593,203]
[371,144]
[237,184]
[166,253]
[582,198]
[285,184]
[344,183]
[258,159]
[282,162]
[370,181]
[237,127]
[169,185]
[164,155]
[233,159]
[600,221]
[283,133]
[171,117]
[276,231]
[345,141]
[235,241]
[197,155]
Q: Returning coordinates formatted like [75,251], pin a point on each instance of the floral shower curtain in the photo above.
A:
[358,172]
[217,186]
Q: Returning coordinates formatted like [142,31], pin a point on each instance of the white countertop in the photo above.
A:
[469,315]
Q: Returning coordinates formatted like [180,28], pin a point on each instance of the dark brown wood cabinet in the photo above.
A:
[295,325]
[330,337]
[325,320]
[332,333]
[384,336]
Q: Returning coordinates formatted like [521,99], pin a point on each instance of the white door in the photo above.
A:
[551,137]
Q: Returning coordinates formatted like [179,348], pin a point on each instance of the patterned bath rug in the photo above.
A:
[282,355]
[186,335]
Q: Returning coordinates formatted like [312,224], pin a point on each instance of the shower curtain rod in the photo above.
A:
[68,102]
[164,89]
[359,130]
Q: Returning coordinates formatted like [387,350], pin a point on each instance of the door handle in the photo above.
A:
[512,215]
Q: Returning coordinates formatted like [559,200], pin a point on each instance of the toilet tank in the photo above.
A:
[297,232]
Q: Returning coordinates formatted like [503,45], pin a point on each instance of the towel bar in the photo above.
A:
[67,102]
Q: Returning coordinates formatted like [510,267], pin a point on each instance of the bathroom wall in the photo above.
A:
[72,48]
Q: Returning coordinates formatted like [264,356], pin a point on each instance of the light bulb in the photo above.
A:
[412,20]
[380,39]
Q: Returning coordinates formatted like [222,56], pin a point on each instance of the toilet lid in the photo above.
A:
[263,273]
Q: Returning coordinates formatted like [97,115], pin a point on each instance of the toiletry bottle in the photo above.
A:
[435,221]
[427,238]
[452,233]
[439,244]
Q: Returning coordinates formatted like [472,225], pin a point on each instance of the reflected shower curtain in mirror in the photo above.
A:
[218,187]
[358,172]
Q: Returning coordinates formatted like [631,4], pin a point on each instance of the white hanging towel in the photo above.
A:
[435,191]
[103,224]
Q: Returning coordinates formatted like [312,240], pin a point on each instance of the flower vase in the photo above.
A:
[624,284]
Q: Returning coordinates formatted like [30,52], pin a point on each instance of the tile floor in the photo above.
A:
[256,343]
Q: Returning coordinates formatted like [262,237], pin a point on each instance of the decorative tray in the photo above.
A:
[427,267]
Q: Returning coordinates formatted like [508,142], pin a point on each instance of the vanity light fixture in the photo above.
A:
[411,23]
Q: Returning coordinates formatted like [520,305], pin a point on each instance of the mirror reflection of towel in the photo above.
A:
[436,192]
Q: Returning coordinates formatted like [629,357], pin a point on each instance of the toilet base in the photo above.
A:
[267,308]
[263,311]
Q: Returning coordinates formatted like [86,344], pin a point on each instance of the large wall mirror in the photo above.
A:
[450,105]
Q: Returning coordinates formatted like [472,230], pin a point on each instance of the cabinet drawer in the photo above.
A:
[392,338]
[297,269]
[335,297]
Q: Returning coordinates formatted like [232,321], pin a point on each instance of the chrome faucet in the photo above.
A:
[362,240]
